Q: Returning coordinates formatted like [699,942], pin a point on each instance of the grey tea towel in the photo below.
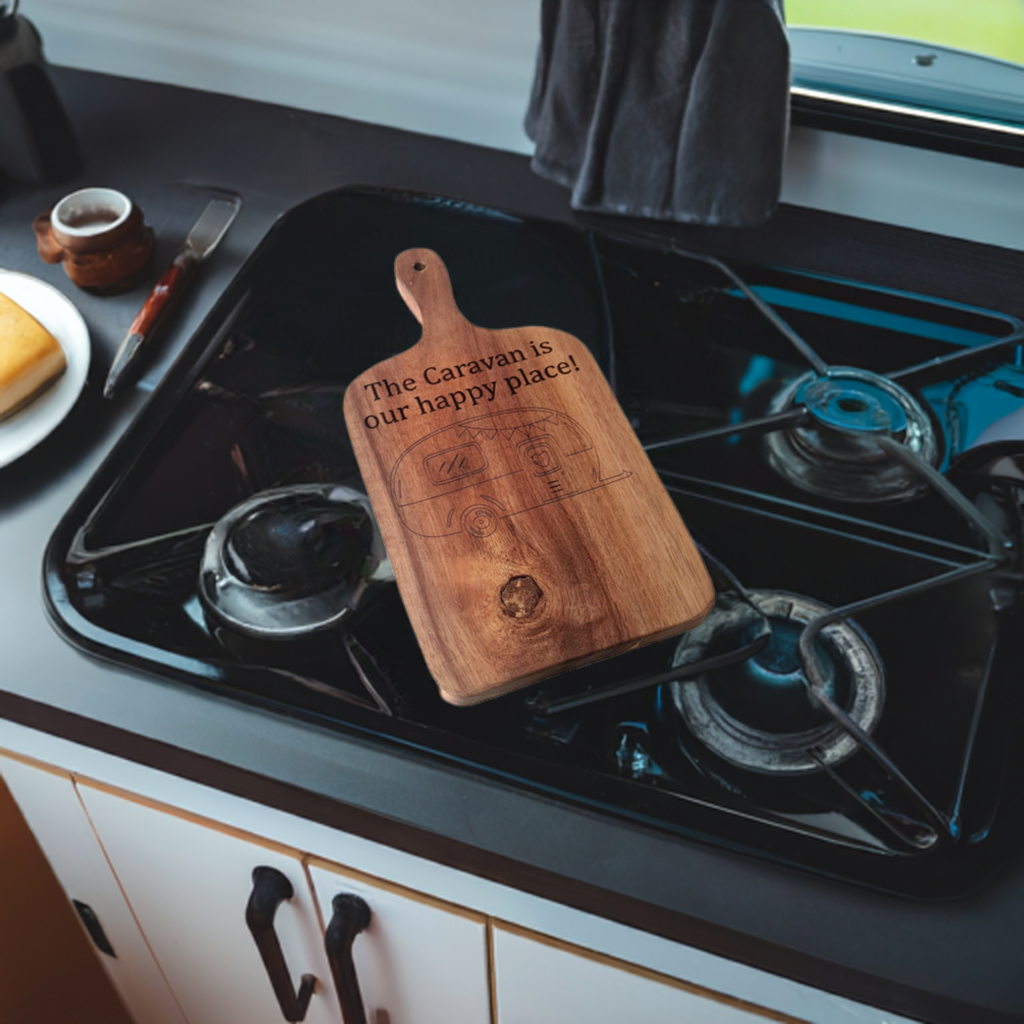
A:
[672,109]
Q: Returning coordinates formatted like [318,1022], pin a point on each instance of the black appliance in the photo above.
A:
[848,457]
[37,141]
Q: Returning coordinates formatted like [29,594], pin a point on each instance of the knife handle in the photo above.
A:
[142,326]
[168,285]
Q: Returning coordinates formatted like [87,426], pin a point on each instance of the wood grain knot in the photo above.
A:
[520,596]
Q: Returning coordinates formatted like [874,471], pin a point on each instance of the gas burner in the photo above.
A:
[292,561]
[759,714]
[833,455]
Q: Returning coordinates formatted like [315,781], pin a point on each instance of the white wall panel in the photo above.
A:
[462,69]
[914,188]
[456,68]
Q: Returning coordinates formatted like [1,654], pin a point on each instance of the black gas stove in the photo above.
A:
[850,460]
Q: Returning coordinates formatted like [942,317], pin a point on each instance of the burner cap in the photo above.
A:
[298,545]
[292,561]
[833,456]
[760,715]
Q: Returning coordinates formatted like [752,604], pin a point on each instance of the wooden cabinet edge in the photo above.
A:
[492,971]
[33,762]
[191,816]
[395,888]
[628,967]
[308,859]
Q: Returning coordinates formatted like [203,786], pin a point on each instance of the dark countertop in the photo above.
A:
[956,961]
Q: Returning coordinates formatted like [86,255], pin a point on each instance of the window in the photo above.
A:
[960,57]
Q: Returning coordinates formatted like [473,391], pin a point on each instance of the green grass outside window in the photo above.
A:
[991,27]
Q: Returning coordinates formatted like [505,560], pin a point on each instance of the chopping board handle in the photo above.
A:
[423,283]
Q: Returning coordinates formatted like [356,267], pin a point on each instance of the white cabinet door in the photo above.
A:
[543,982]
[419,961]
[189,884]
[51,807]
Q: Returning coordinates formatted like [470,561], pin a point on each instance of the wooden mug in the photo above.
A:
[100,236]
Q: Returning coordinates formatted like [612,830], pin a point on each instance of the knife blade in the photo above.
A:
[204,237]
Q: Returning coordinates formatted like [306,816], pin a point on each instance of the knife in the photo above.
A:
[204,237]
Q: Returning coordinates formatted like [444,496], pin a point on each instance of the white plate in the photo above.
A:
[24,430]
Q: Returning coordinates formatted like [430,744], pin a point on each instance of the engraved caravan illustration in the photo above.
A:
[472,474]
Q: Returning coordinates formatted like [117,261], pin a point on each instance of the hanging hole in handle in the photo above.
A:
[419,266]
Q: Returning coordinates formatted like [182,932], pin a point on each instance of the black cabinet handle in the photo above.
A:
[351,916]
[269,888]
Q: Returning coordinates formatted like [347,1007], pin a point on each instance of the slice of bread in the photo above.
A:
[31,358]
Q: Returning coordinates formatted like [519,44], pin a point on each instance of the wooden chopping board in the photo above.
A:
[528,531]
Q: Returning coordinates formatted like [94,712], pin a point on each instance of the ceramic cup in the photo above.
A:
[101,237]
